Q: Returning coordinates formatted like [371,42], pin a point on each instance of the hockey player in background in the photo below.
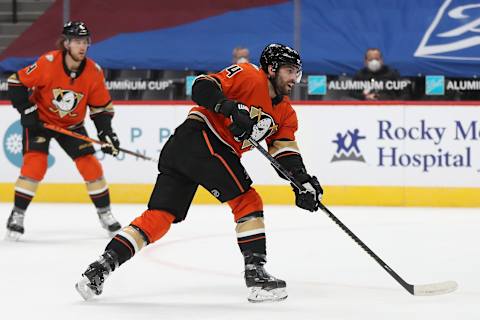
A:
[239,102]
[56,89]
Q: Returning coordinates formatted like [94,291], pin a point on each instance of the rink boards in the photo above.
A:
[390,153]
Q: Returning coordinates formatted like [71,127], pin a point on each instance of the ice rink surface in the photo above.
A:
[195,271]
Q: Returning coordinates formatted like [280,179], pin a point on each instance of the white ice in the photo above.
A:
[195,271]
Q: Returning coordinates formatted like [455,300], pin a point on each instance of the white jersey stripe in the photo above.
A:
[25,191]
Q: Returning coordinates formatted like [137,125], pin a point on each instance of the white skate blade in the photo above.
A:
[434,288]
[257,294]
[13,235]
[84,290]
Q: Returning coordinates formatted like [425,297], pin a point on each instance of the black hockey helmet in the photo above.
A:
[75,29]
[277,54]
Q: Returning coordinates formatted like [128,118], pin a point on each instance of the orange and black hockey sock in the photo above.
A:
[127,243]
[25,189]
[145,229]
[251,237]
[247,210]
[98,192]
[92,172]
[33,170]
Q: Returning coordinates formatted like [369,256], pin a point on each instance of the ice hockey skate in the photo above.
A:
[91,283]
[15,227]
[262,286]
[108,221]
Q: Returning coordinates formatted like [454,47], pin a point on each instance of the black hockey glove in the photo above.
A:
[20,97]
[29,118]
[310,198]
[112,142]
[242,124]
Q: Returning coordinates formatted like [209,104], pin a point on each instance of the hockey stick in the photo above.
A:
[416,290]
[88,139]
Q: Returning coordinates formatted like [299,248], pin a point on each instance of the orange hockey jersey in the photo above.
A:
[61,99]
[248,84]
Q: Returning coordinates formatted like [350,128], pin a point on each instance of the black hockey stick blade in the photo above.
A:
[416,290]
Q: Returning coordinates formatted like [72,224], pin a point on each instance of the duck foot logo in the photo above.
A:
[352,151]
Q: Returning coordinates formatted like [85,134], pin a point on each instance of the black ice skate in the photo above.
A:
[262,286]
[15,227]
[108,221]
[91,283]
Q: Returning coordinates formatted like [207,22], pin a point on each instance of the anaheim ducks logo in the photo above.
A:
[65,101]
[264,127]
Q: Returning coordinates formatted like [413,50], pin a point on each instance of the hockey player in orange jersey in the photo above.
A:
[239,102]
[57,89]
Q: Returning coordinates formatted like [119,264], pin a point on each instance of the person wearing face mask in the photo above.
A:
[375,70]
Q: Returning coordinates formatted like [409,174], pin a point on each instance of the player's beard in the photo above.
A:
[281,87]
[76,58]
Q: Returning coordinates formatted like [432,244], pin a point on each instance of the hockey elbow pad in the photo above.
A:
[207,93]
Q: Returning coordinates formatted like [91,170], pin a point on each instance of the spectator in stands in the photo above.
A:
[376,70]
[240,55]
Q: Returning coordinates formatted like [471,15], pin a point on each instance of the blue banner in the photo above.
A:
[428,37]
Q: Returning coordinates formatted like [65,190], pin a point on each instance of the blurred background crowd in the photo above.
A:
[351,50]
